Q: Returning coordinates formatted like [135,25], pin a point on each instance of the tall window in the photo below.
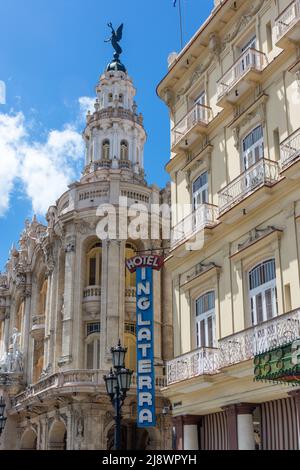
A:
[262,286]
[94,262]
[205,320]
[105,149]
[249,58]
[93,351]
[253,147]
[130,344]
[200,190]
[124,150]
[199,110]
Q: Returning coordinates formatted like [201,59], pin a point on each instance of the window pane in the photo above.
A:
[269,295]
[90,355]
[202,333]
[210,332]
[98,355]
[259,308]
[92,274]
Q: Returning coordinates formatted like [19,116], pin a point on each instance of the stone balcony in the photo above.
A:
[38,327]
[241,77]
[235,349]
[80,381]
[205,216]
[290,155]
[263,174]
[194,123]
[91,293]
[287,25]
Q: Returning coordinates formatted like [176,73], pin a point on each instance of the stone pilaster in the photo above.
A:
[67,322]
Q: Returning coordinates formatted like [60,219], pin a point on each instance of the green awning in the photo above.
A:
[280,365]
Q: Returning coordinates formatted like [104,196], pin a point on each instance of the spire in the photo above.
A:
[115,64]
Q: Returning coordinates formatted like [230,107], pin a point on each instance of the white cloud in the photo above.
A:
[86,104]
[44,168]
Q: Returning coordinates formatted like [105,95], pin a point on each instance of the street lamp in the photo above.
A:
[117,385]
[2,419]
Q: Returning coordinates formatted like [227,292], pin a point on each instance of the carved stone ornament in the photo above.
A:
[242,22]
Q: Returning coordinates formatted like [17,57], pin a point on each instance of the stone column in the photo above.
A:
[67,322]
[6,324]
[190,432]
[177,423]
[27,319]
[245,430]
[231,415]
[47,314]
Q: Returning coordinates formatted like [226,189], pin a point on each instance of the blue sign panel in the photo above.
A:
[145,352]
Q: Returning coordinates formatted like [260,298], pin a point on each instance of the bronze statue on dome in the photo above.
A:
[115,39]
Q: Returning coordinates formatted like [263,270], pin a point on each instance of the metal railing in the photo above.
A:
[257,339]
[130,293]
[236,348]
[287,19]
[204,216]
[251,59]
[199,114]
[263,172]
[199,362]
[91,292]
[38,321]
[290,149]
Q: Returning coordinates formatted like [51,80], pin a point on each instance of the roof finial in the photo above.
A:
[115,39]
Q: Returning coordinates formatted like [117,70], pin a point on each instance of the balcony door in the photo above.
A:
[200,111]
[249,58]
[206,321]
[263,298]
[253,151]
[200,196]
[200,190]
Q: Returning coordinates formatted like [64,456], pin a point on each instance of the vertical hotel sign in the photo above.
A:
[144,266]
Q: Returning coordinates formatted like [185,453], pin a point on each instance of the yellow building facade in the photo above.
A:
[234,95]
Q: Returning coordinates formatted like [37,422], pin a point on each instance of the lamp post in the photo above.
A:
[118,383]
[2,419]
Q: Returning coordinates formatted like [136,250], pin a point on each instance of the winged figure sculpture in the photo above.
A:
[115,39]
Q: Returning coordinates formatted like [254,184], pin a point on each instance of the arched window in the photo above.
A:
[124,150]
[205,320]
[93,351]
[94,262]
[121,98]
[105,149]
[110,97]
[130,278]
[263,295]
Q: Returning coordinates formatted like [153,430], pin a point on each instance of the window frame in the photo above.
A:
[261,289]
[205,316]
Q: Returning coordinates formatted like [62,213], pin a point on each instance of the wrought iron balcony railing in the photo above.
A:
[287,19]
[290,150]
[199,114]
[251,59]
[263,172]
[199,362]
[236,348]
[204,216]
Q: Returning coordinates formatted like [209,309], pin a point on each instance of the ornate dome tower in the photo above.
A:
[114,134]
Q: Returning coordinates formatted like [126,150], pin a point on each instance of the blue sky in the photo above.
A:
[51,54]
